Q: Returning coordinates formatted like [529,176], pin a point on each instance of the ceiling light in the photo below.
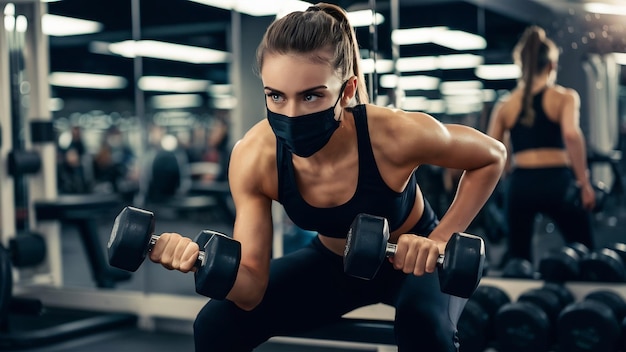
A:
[440,35]
[459,61]
[415,103]
[176,101]
[459,40]
[436,106]
[415,35]
[169,51]
[257,7]
[417,82]
[415,64]
[86,80]
[498,72]
[172,84]
[606,9]
[364,18]
[55,25]
[220,89]
[460,87]
[382,66]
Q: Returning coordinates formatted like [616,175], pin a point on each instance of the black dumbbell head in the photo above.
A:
[462,268]
[216,275]
[366,246]
[130,238]
[604,265]
[521,327]
[560,265]
[587,325]
[518,268]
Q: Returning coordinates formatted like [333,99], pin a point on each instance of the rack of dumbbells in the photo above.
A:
[572,301]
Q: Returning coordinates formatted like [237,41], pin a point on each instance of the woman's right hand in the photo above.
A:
[588,196]
[175,252]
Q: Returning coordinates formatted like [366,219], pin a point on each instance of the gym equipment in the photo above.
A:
[593,324]
[460,268]
[133,237]
[6,285]
[518,268]
[603,265]
[529,323]
[476,323]
[563,264]
[601,191]
[83,211]
[27,249]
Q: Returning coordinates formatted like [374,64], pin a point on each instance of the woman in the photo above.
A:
[541,119]
[327,155]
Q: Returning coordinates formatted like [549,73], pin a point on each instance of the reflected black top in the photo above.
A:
[543,133]
[372,195]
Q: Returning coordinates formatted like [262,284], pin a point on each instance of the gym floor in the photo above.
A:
[609,225]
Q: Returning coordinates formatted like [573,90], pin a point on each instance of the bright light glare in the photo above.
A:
[382,66]
[86,80]
[498,72]
[169,51]
[172,84]
[257,7]
[453,39]
[364,18]
[55,25]
[606,9]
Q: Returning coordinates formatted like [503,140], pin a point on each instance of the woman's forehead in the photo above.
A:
[295,71]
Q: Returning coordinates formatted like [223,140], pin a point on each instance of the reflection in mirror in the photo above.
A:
[16,25]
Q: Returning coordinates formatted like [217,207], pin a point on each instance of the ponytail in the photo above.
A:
[533,53]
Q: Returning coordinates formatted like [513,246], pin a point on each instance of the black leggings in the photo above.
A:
[534,191]
[308,288]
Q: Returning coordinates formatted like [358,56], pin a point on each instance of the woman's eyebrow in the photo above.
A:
[298,93]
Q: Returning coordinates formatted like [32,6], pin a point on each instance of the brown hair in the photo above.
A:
[533,53]
[320,27]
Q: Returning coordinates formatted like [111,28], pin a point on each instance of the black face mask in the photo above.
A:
[307,134]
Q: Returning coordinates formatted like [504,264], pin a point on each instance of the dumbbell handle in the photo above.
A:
[390,251]
[154,238]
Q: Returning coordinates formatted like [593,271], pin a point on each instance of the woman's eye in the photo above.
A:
[311,97]
[274,97]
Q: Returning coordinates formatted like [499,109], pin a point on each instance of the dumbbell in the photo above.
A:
[601,192]
[529,323]
[460,268]
[602,265]
[593,324]
[562,264]
[476,323]
[518,268]
[133,237]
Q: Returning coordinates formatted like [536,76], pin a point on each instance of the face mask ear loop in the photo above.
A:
[343,87]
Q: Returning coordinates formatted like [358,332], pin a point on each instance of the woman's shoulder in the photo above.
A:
[560,91]
[258,143]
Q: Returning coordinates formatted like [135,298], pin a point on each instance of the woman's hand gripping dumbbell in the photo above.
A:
[460,268]
[217,265]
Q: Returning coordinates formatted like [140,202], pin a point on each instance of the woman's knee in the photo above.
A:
[219,326]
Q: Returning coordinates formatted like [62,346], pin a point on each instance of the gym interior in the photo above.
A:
[98,96]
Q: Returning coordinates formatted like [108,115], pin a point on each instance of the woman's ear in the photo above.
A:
[350,91]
